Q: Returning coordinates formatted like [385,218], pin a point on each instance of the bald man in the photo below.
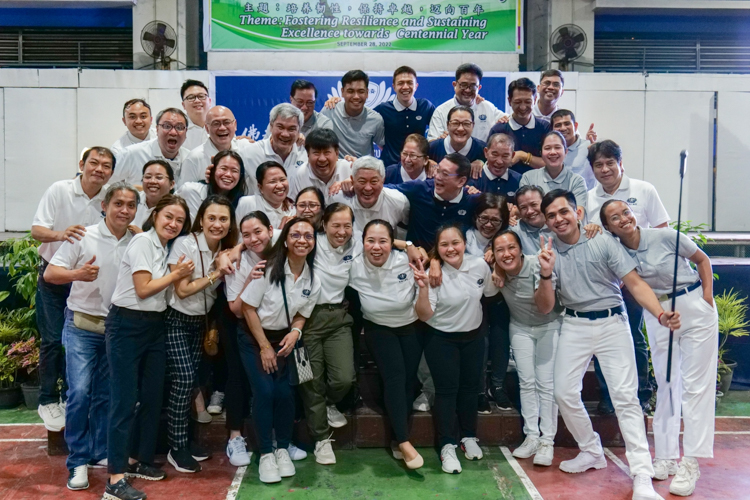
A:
[221,127]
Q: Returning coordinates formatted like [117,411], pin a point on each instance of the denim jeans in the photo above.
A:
[50,318]
[635,319]
[88,394]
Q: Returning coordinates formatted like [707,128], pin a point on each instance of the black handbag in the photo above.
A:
[300,368]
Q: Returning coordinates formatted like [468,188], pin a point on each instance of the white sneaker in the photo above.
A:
[544,455]
[664,468]
[237,452]
[53,416]
[643,489]
[422,403]
[216,404]
[687,475]
[451,465]
[528,448]
[78,478]
[284,463]
[583,462]
[471,448]
[295,453]
[324,453]
[101,464]
[268,470]
[336,419]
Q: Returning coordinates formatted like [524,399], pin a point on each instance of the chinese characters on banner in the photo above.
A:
[354,25]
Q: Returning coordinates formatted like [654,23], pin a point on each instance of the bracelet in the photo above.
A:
[545,277]
[659,318]
[211,279]
[263,347]
[295,329]
[527,161]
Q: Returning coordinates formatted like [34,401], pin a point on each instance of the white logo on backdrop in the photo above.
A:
[379,93]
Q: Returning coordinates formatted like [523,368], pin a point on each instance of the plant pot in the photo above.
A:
[10,397]
[725,375]
[30,395]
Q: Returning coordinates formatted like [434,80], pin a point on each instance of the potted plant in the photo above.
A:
[10,389]
[26,353]
[732,323]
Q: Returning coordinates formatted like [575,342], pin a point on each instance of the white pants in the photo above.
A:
[610,340]
[534,352]
[694,357]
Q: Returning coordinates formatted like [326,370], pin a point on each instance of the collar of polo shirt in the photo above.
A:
[624,186]
[463,269]
[564,173]
[492,176]
[525,271]
[78,189]
[387,265]
[563,247]
[305,271]
[514,125]
[464,150]
[400,107]
[473,104]
[457,199]
[154,238]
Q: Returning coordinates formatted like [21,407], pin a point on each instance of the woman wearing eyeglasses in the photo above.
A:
[415,156]
[459,140]
[310,204]
[157,181]
[275,309]
[273,189]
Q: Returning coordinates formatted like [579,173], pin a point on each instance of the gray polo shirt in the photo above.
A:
[530,236]
[567,180]
[589,272]
[519,294]
[316,121]
[655,259]
[356,133]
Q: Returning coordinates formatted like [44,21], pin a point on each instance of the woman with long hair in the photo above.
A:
[225,177]
[157,182]
[273,189]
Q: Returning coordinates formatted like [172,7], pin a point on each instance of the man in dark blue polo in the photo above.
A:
[526,129]
[403,116]
[497,177]
[437,201]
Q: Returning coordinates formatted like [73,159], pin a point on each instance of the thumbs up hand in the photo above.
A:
[88,272]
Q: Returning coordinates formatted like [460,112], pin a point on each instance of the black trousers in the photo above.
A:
[397,352]
[136,350]
[455,361]
[51,301]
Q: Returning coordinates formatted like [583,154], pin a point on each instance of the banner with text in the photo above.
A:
[366,25]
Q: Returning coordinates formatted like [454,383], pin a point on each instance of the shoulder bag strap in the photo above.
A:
[203,272]
[286,306]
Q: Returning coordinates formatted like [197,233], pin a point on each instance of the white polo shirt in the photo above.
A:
[456,302]
[538,114]
[387,293]
[197,161]
[578,161]
[486,115]
[194,194]
[254,202]
[392,206]
[143,212]
[332,266]
[255,153]
[301,296]
[130,163]
[93,297]
[305,177]
[235,282]
[476,244]
[640,195]
[197,252]
[144,253]
[129,139]
[64,204]
[195,136]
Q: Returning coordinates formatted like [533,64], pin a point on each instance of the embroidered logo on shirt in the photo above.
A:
[347,258]
[418,117]
[299,163]
[306,292]
[632,201]
[482,117]
[462,212]
[511,193]
[402,277]
[480,282]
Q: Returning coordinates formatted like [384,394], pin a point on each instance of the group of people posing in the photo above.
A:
[485,234]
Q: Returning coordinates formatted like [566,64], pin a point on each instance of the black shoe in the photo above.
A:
[501,399]
[647,410]
[122,490]
[483,406]
[183,461]
[199,453]
[145,471]
[605,407]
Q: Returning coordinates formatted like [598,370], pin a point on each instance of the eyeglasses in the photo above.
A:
[467,86]
[299,103]
[299,236]
[454,123]
[483,219]
[167,127]
[443,173]
[193,97]
[554,85]
[217,123]
[412,156]
[311,205]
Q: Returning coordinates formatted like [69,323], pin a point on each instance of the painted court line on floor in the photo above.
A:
[525,480]
[16,425]
[234,488]
[29,440]
[617,461]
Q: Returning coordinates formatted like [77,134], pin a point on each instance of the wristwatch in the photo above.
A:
[409,244]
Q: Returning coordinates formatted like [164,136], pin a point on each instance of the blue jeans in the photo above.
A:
[635,318]
[88,394]
[50,318]
[273,397]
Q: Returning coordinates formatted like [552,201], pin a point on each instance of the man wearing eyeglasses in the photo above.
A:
[303,97]
[459,140]
[196,102]
[467,85]
[171,128]
[221,127]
